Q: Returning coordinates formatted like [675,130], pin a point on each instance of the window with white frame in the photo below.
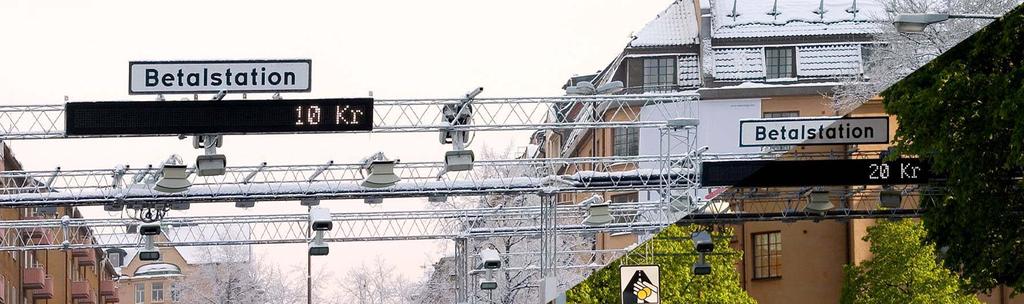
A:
[659,73]
[140,293]
[158,291]
[780,62]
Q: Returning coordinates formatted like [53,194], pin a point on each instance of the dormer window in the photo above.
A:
[659,74]
[780,63]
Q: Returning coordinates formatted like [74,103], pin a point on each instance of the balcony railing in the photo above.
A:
[82,292]
[87,258]
[46,292]
[108,289]
[33,278]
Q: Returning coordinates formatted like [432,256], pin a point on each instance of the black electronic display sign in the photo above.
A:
[798,173]
[218,117]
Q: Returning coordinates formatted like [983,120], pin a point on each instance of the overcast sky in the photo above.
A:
[397,49]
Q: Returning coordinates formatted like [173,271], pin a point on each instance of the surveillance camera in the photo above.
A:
[488,284]
[318,248]
[490,259]
[702,242]
[152,228]
[220,95]
[149,255]
[320,219]
[211,165]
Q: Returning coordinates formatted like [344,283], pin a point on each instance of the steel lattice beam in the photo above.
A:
[426,115]
[348,227]
[332,181]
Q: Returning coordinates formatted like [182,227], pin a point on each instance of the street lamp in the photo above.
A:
[916,23]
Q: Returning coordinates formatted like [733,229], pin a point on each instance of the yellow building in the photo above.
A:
[82,276]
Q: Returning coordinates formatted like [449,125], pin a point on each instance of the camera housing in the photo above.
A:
[151,228]
[702,242]
[320,219]
[490,259]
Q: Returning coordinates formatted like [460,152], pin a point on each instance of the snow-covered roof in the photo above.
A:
[676,25]
[776,18]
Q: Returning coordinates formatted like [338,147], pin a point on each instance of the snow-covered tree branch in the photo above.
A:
[899,54]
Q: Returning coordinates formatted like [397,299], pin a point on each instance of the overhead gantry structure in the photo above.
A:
[428,115]
[135,186]
[476,223]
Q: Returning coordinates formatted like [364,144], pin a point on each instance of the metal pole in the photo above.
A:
[309,265]
[461,270]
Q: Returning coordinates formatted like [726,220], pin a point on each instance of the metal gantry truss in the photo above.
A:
[426,115]
[348,227]
[131,186]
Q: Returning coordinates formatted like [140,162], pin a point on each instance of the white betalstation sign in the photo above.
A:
[829,130]
[211,76]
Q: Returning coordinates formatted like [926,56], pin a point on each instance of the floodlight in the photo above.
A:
[683,122]
[586,88]
[180,205]
[112,207]
[149,255]
[681,202]
[309,201]
[317,246]
[373,200]
[320,219]
[701,267]
[173,180]
[437,198]
[149,252]
[245,203]
[598,214]
[458,160]
[610,87]
[211,165]
[916,23]
[381,174]
[889,198]
[702,242]
[488,284]
[818,201]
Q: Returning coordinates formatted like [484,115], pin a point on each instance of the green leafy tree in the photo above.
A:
[904,269]
[964,113]
[673,251]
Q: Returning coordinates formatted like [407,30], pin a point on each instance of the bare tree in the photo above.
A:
[518,280]
[378,282]
[899,54]
[227,275]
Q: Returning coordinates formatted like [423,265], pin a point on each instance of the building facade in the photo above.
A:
[747,60]
[82,276]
